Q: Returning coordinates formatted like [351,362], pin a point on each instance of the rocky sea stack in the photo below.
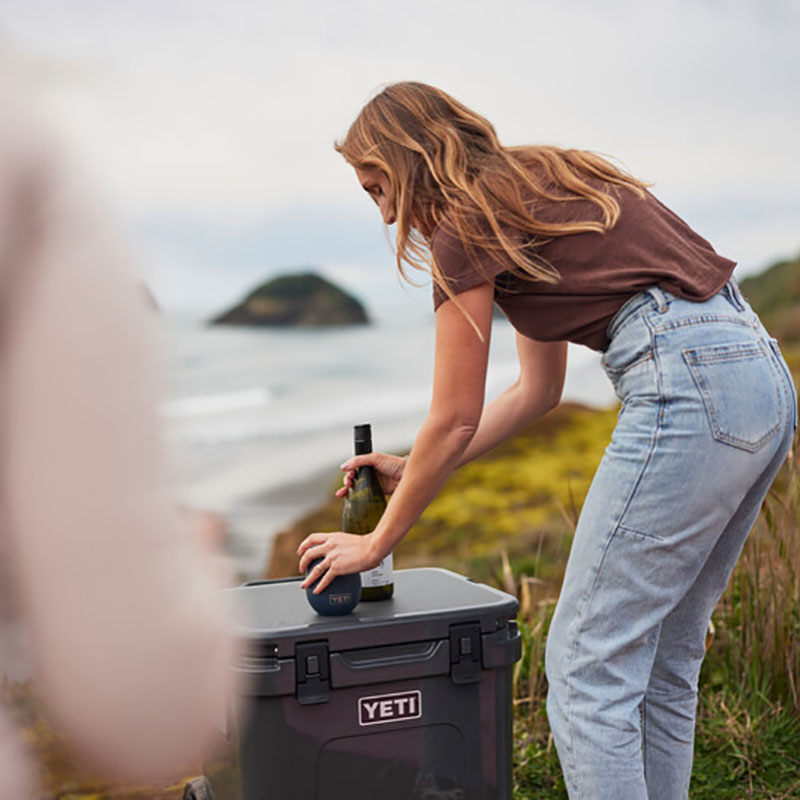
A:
[302,299]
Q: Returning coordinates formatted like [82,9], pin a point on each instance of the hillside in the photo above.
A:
[775,295]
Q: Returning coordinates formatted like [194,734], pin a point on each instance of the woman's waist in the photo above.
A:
[656,320]
[660,310]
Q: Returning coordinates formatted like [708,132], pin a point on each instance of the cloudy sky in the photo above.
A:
[211,123]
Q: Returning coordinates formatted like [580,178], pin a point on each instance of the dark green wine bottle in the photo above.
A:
[363,507]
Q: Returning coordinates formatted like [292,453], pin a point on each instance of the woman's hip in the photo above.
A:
[713,356]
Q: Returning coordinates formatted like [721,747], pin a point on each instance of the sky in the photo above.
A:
[211,125]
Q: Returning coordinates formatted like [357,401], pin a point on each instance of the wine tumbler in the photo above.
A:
[340,596]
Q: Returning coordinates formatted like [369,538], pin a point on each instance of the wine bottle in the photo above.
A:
[363,507]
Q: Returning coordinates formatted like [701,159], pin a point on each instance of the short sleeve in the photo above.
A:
[460,269]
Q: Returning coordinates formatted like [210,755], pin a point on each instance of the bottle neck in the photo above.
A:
[362,439]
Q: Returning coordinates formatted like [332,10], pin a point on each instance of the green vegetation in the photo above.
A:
[749,710]
[775,294]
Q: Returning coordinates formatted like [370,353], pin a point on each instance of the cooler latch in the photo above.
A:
[313,673]
[465,653]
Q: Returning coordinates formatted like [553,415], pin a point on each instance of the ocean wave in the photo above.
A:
[289,419]
[223,402]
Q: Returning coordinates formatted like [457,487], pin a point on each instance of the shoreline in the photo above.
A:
[254,522]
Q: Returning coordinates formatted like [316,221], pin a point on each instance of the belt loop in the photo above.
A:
[659,297]
[735,294]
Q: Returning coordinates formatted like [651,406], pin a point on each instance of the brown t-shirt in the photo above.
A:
[648,246]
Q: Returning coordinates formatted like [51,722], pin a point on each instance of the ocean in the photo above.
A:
[258,420]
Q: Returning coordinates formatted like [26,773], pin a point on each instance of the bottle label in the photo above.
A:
[380,575]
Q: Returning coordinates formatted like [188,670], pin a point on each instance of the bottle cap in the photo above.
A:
[362,436]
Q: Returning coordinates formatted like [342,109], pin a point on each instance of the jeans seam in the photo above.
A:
[702,319]
[643,729]
[789,390]
[636,314]
[740,353]
[619,323]
[659,420]
[617,525]
[620,528]
[648,356]
[733,294]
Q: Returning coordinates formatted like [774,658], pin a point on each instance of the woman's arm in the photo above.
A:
[536,391]
[454,417]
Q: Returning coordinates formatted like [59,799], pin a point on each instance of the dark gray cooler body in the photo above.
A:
[404,698]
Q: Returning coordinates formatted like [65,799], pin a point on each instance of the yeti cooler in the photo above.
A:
[404,698]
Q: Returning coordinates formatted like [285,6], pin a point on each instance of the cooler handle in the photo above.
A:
[390,663]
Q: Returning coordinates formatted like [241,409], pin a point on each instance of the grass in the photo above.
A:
[748,727]
[749,711]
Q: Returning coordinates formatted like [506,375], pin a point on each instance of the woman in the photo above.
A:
[574,249]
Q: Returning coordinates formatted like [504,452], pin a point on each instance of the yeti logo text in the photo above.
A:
[340,599]
[394,707]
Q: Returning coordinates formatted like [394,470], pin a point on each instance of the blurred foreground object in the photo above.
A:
[118,601]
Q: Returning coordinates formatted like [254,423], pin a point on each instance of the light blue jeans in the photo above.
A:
[707,418]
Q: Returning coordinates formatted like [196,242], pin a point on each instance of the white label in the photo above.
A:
[382,708]
[380,575]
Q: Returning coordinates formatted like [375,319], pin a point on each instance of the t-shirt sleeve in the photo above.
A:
[461,269]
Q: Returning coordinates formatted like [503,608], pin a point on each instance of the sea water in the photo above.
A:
[257,420]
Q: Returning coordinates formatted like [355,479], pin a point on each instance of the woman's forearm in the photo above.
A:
[446,442]
[536,391]
[507,415]
[437,451]
[444,445]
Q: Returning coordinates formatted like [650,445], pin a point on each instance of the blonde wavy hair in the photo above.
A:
[446,167]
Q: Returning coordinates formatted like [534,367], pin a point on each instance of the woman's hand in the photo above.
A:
[389,469]
[459,386]
[341,554]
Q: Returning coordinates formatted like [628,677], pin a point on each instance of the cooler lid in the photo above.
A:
[426,603]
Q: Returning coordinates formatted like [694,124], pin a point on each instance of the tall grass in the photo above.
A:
[749,709]
[757,624]
[748,734]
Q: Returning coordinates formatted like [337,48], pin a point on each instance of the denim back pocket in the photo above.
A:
[741,391]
